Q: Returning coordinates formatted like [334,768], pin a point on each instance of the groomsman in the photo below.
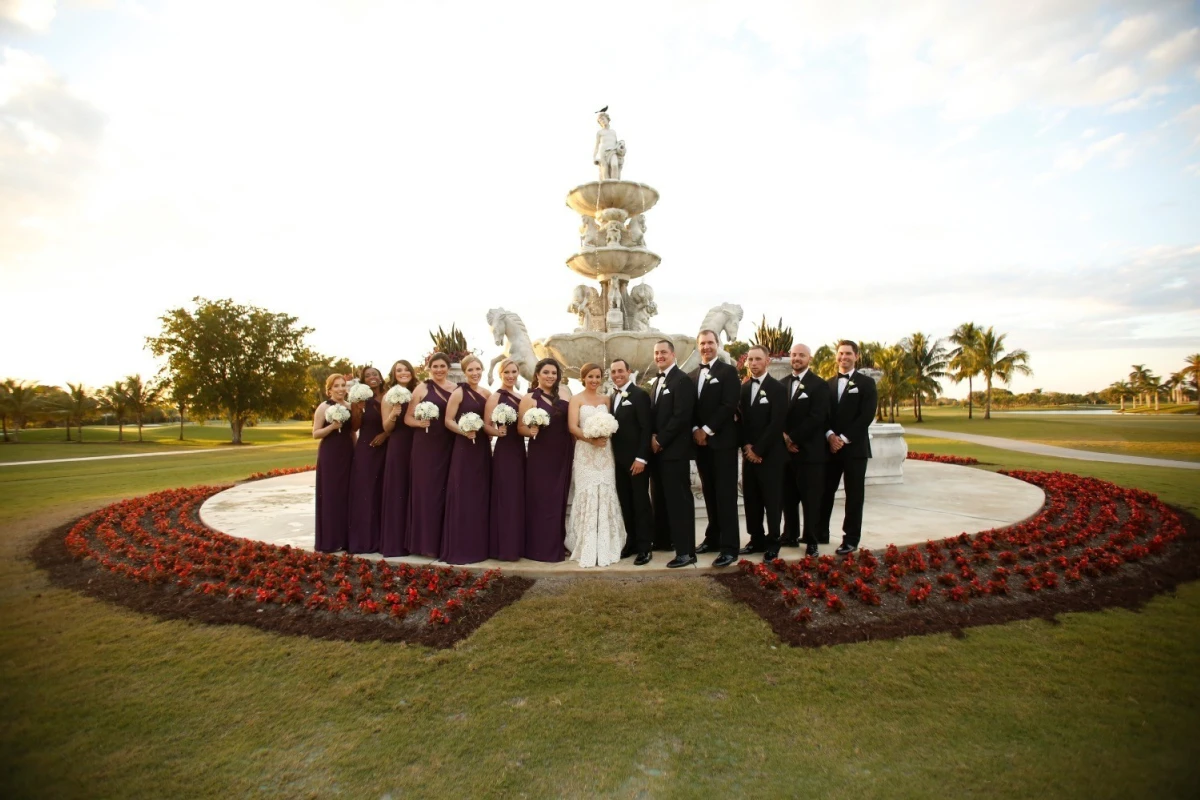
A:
[672,398]
[854,399]
[762,413]
[631,454]
[804,434]
[714,431]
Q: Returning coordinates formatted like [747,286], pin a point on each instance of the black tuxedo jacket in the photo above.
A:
[854,413]
[672,417]
[761,421]
[717,404]
[632,439]
[808,417]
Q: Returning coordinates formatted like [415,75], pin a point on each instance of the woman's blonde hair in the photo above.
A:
[469,360]
[588,367]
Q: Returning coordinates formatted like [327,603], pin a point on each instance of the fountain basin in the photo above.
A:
[623,261]
[633,198]
[637,348]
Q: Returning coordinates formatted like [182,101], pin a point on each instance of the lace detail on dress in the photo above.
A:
[595,529]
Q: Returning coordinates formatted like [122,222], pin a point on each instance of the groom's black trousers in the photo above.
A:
[634,493]
[718,477]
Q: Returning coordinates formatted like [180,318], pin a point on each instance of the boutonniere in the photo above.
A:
[849,383]
[624,394]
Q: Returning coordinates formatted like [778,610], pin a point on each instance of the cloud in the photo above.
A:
[1139,102]
[32,15]
[1182,48]
[1074,158]
[1131,33]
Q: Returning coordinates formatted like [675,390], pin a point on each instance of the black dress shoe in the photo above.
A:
[705,547]
[789,543]
[750,549]
[627,552]
[641,560]
[812,550]
[845,549]
[724,560]
[681,561]
[770,556]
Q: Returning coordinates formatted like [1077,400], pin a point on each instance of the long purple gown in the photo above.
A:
[506,536]
[334,457]
[548,482]
[427,479]
[393,515]
[465,531]
[366,482]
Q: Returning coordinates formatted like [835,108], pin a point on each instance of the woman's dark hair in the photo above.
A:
[537,374]
[438,356]
[412,375]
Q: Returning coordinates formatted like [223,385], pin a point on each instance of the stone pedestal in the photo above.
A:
[780,368]
[888,453]
[455,374]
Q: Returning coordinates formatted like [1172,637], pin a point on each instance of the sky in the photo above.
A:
[863,170]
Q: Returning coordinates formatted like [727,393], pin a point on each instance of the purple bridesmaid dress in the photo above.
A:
[548,482]
[334,457]
[465,532]
[393,515]
[506,538]
[366,483]
[427,479]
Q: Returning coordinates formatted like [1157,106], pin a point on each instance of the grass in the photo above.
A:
[38,444]
[1175,436]
[584,687]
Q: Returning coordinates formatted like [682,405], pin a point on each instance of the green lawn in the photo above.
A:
[40,444]
[660,688]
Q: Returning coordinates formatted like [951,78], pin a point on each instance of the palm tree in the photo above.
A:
[19,400]
[894,364]
[1119,389]
[964,359]
[994,363]
[114,400]
[79,406]
[824,362]
[5,405]
[927,360]
[141,397]
[1192,370]
[1140,379]
[180,398]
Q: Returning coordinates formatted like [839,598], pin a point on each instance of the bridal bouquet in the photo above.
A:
[398,395]
[503,414]
[426,410]
[537,417]
[337,413]
[470,422]
[360,393]
[600,426]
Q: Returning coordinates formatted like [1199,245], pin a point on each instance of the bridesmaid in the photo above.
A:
[366,477]
[430,462]
[393,515]
[548,466]
[334,456]
[465,532]
[506,538]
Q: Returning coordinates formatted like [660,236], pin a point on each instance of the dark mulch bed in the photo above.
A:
[168,602]
[1130,589]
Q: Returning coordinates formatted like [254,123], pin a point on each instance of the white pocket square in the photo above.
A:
[665,392]
[852,391]
[763,401]
[627,403]
[802,395]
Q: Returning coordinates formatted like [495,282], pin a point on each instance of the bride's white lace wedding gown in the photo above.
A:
[595,529]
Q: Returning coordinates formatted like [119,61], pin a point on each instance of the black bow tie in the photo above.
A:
[755,380]
[843,376]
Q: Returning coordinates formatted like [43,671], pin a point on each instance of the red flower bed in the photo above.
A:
[158,541]
[275,473]
[962,461]
[1088,533]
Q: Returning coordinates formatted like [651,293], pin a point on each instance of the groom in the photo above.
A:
[672,398]
[631,454]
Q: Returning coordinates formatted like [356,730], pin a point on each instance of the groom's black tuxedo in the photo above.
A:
[761,419]
[716,459]
[672,399]
[804,480]
[849,416]
[631,442]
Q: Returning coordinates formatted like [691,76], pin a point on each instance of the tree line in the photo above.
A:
[1143,385]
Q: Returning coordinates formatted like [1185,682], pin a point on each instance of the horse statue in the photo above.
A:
[724,318]
[508,325]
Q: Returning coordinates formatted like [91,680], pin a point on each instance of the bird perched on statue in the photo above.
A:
[601,111]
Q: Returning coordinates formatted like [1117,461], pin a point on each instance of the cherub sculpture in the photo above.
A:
[586,302]
[641,307]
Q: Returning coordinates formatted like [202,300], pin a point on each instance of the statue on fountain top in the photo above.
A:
[609,152]
[641,308]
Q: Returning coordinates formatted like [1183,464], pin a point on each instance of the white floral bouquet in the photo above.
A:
[426,410]
[537,417]
[337,413]
[600,426]
[503,414]
[470,422]
[360,393]
[398,395]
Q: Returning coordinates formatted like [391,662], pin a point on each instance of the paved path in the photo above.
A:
[1050,450]
[134,455]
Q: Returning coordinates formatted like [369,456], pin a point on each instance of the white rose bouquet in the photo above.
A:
[470,422]
[426,410]
[337,413]
[600,426]
[398,395]
[360,393]
[503,414]
[537,417]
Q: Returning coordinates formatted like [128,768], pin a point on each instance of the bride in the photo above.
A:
[595,529]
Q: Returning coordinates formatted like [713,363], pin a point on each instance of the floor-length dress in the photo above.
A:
[507,517]
[393,516]
[595,529]
[366,482]
[334,458]
[548,482]
[468,487]
[427,479]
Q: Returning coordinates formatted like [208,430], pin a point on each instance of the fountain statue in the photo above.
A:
[614,319]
